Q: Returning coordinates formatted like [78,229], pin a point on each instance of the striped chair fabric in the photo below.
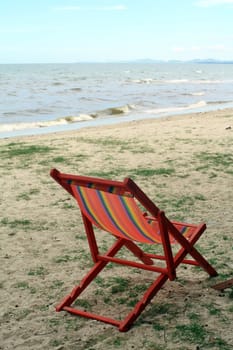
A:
[120,215]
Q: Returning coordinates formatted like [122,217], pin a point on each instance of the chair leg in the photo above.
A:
[77,290]
[188,248]
[201,261]
[140,306]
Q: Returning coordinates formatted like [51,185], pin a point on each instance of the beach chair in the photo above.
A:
[115,207]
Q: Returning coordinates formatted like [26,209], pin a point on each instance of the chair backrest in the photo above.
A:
[116,213]
[112,206]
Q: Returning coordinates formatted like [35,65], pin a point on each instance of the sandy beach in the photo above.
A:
[185,164]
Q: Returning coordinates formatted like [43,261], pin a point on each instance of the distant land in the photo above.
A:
[151,61]
[197,60]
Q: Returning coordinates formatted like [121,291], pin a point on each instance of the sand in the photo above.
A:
[185,164]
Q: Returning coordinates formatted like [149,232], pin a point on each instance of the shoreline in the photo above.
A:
[111,120]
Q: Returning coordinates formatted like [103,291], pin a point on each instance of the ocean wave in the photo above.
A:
[57,83]
[178,81]
[199,93]
[76,89]
[192,81]
[9,114]
[209,81]
[27,112]
[177,109]
[143,81]
[218,102]
[158,81]
[174,81]
[44,124]
[113,111]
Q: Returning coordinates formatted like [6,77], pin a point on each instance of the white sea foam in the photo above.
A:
[114,111]
[176,109]
[177,81]
[44,124]
[200,93]
[143,81]
[197,93]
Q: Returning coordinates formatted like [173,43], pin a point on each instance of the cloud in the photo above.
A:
[208,3]
[93,8]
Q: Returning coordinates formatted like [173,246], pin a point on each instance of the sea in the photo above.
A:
[43,98]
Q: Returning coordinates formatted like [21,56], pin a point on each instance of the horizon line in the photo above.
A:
[139,60]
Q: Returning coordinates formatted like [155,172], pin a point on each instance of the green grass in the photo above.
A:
[23,285]
[37,271]
[230,295]
[215,161]
[158,327]
[17,223]
[142,172]
[55,342]
[160,309]
[27,195]
[146,172]
[197,333]
[118,290]
[56,284]
[117,342]
[69,206]
[111,174]
[22,149]
[194,317]
[132,145]
[231,309]
[84,303]
[80,255]
[65,258]
[193,332]
[59,159]
[22,314]
[25,224]
[213,310]
[181,205]
[119,285]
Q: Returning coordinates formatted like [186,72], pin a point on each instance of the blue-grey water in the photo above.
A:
[45,97]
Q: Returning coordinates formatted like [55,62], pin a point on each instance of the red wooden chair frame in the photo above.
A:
[169,232]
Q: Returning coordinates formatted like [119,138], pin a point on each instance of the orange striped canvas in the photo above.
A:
[119,215]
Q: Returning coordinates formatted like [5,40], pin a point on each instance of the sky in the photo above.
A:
[53,31]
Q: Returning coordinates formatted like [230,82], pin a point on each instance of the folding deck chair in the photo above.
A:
[114,207]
